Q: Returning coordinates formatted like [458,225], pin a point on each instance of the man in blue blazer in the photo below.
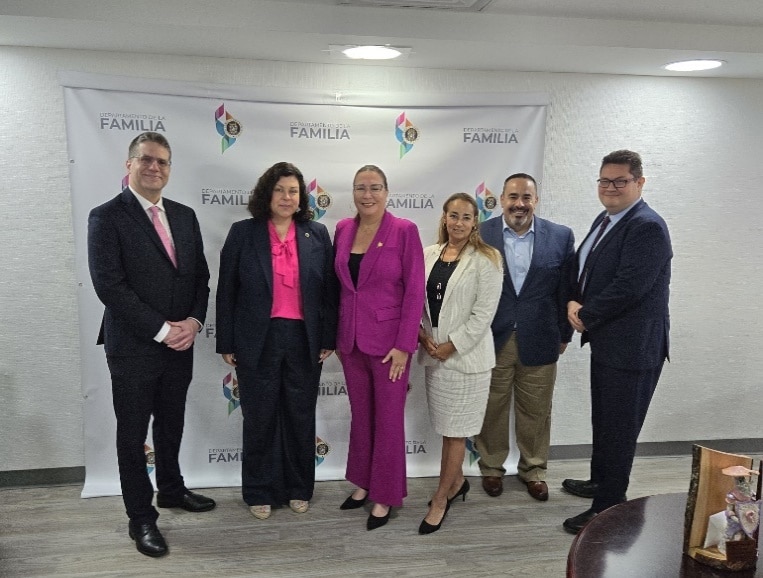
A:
[621,309]
[530,331]
[148,268]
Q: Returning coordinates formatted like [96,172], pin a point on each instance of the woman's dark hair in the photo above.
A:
[262,193]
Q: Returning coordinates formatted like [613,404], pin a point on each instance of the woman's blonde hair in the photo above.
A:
[475,239]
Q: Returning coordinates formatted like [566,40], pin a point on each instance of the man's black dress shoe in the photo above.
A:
[582,488]
[148,539]
[575,524]
[189,501]
[377,522]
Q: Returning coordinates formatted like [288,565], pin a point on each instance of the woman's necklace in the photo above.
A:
[458,256]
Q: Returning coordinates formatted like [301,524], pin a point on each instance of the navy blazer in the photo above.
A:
[539,311]
[134,277]
[245,289]
[625,299]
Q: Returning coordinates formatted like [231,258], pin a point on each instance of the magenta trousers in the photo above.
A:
[376,458]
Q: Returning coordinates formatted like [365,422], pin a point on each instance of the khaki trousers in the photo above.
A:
[533,391]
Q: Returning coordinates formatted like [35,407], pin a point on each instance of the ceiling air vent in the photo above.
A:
[456,5]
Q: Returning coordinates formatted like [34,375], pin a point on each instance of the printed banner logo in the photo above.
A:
[481,135]
[413,447]
[318,198]
[421,201]
[218,196]
[322,449]
[319,130]
[150,458]
[471,451]
[227,127]
[406,134]
[225,455]
[486,201]
[230,391]
[130,121]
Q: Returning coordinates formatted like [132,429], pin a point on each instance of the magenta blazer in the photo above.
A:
[385,309]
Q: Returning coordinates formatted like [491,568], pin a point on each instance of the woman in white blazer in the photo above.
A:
[464,280]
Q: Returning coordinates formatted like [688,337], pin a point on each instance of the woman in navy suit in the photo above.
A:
[276,324]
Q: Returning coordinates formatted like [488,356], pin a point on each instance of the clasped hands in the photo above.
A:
[181,334]
[439,351]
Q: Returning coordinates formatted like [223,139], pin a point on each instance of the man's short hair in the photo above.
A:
[156,137]
[521,176]
[625,157]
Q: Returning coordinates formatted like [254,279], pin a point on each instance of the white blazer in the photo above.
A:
[468,307]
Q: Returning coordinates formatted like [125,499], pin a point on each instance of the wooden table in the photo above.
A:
[642,538]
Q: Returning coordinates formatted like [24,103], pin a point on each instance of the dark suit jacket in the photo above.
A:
[245,289]
[540,310]
[134,277]
[625,299]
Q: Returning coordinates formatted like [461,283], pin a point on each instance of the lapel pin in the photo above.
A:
[307,234]
[380,244]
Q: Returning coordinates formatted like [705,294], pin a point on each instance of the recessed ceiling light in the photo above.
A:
[693,65]
[369,52]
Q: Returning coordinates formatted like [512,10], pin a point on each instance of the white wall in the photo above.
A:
[703,154]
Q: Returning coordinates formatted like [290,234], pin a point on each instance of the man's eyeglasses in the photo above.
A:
[146,161]
[372,188]
[618,183]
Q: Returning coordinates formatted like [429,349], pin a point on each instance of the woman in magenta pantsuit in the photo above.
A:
[380,266]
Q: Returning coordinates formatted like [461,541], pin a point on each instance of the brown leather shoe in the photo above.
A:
[493,485]
[538,490]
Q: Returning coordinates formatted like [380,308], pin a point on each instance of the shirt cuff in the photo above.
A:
[159,337]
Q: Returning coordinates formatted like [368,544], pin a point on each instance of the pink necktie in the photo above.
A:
[162,232]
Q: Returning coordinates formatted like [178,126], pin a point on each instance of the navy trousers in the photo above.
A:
[278,399]
[619,403]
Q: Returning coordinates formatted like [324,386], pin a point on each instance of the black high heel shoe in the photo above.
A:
[352,504]
[427,528]
[376,521]
[465,487]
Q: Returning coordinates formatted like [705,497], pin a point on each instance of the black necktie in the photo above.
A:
[588,260]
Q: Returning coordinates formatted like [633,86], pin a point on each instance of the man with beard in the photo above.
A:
[530,331]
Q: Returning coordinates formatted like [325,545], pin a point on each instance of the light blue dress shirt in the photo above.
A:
[519,253]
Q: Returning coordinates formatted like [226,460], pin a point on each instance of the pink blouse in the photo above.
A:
[287,296]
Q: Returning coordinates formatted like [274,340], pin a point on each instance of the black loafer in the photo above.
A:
[148,539]
[190,501]
[581,488]
[575,524]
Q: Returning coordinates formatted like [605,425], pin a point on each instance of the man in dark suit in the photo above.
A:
[621,309]
[148,268]
[530,330]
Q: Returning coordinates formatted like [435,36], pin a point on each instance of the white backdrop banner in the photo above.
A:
[222,139]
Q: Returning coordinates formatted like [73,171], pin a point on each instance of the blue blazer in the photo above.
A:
[245,289]
[539,311]
[625,299]
[134,277]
